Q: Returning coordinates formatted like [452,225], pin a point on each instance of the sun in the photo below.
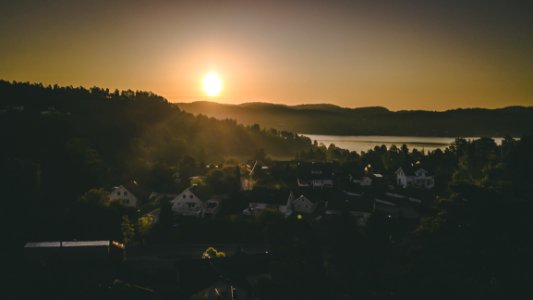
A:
[212,84]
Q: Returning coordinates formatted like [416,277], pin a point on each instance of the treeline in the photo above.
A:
[59,142]
[334,120]
[477,241]
[473,243]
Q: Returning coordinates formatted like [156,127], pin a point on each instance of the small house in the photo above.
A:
[123,196]
[418,178]
[302,204]
[188,203]
[316,175]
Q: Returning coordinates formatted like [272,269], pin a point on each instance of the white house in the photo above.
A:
[302,204]
[126,198]
[187,203]
[315,175]
[420,179]
[256,207]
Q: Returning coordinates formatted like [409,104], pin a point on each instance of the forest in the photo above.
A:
[63,148]
[60,142]
[330,119]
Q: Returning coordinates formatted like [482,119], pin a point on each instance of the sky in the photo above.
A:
[425,54]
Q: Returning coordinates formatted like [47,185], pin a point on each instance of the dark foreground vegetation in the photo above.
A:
[334,120]
[64,148]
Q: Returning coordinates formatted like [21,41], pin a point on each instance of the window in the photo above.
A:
[190,196]
[126,201]
[118,193]
[191,204]
[125,193]
[184,196]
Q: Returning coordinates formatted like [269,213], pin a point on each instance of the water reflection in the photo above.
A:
[364,143]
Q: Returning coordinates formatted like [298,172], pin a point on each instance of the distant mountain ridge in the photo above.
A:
[335,120]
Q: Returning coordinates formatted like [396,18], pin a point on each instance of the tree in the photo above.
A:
[260,155]
[211,253]
[96,196]
[144,224]
[128,230]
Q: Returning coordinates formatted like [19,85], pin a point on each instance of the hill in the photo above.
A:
[335,120]
[66,140]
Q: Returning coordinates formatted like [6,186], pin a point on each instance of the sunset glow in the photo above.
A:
[212,84]
[439,56]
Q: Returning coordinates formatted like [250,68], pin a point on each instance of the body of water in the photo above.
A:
[364,143]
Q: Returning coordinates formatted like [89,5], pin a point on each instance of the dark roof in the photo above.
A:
[352,202]
[62,244]
[310,171]
[133,188]
[200,191]
[266,195]
[317,195]
[399,199]
[43,245]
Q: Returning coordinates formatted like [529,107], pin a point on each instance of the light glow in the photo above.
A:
[212,84]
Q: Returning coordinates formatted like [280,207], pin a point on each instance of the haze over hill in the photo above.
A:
[77,138]
[336,120]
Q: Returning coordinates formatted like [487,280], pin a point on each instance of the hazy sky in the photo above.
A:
[399,54]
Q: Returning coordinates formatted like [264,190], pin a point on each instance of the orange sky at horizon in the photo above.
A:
[431,56]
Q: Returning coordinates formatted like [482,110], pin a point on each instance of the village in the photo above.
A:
[316,192]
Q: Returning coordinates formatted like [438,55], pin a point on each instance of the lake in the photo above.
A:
[364,143]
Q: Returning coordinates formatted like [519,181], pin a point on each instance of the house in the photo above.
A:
[418,178]
[247,182]
[316,175]
[362,181]
[358,205]
[257,207]
[302,204]
[268,200]
[123,196]
[188,203]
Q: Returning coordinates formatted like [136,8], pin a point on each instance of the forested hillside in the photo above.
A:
[334,120]
[58,142]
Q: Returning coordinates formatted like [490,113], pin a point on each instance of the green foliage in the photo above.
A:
[128,230]
[144,225]
[224,181]
[67,140]
[476,239]
[211,253]
[96,197]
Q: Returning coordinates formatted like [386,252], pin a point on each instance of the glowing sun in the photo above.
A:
[212,84]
